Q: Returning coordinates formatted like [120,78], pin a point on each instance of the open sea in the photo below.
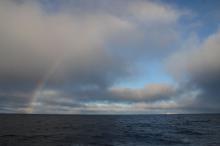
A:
[110,130]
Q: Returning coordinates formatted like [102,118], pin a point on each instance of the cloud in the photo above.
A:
[154,22]
[33,42]
[113,107]
[154,13]
[197,69]
[67,57]
[150,99]
[151,92]
[61,50]
[14,102]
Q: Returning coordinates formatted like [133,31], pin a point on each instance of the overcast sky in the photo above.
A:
[109,57]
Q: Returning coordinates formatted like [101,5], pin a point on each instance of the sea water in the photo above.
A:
[110,130]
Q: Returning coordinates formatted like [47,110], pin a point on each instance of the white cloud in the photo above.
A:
[154,13]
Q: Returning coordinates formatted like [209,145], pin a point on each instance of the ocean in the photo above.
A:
[110,130]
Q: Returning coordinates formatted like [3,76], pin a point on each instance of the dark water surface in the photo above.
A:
[139,130]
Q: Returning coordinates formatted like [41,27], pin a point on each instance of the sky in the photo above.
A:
[109,57]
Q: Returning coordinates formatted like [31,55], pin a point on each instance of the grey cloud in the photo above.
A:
[34,43]
[199,70]
[14,102]
[58,51]
[155,96]
[149,93]
[154,22]
[68,51]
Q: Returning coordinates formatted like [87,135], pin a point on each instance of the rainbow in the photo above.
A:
[40,87]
